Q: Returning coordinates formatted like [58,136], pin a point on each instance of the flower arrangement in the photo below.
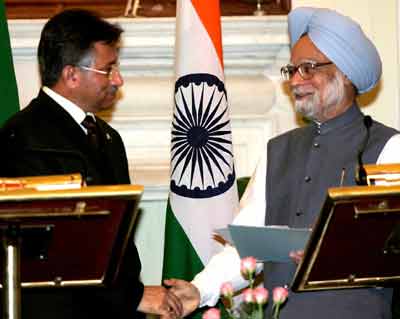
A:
[254,298]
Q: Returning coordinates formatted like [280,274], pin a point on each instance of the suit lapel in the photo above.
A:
[72,135]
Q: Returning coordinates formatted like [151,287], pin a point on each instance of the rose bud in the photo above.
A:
[212,313]
[260,295]
[227,290]
[279,295]
[248,266]
[248,295]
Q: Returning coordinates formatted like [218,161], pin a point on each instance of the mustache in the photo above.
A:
[301,90]
[113,89]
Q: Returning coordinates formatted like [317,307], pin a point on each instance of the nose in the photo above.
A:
[117,78]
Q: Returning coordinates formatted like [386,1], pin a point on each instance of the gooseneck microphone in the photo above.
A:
[361,174]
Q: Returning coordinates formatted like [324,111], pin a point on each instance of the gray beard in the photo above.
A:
[321,102]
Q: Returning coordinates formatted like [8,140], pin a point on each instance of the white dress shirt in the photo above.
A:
[71,108]
[225,266]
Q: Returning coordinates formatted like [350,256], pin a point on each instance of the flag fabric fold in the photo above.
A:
[203,193]
[8,85]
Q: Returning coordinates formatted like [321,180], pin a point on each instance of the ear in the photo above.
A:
[71,76]
[351,88]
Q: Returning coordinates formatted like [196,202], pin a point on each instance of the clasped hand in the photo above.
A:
[160,301]
[181,299]
[187,293]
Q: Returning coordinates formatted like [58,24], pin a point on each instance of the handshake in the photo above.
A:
[179,300]
[182,297]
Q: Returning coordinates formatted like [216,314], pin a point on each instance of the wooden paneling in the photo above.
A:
[34,9]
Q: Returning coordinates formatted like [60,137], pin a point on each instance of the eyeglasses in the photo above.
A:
[110,73]
[306,70]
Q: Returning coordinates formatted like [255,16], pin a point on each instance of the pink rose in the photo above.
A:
[260,295]
[248,266]
[227,290]
[248,296]
[279,295]
[212,313]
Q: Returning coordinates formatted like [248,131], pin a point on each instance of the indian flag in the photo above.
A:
[203,193]
[8,85]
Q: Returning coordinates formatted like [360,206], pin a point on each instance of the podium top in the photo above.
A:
[50,182]
[71,237]
[355,241]
[28,194]
[383,174]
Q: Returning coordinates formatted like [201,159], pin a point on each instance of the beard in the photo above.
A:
[316,104]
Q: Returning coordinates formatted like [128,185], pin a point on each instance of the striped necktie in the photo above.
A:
[92,133]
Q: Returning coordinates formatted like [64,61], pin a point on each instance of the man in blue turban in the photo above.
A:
[332,62]
[342,41]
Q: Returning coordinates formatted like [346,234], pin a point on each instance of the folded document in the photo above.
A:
[267,243]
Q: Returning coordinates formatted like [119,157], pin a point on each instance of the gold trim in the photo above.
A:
[36,182]
[347,193]
[365,200]
[79,211]
[29,214]
[317,249]
[56,283]
[351,282]
[377,169]
[380,208]
[24,195]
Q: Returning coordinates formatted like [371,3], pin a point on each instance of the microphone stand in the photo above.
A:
[361,173]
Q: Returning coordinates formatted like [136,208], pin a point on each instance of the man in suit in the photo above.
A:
[58,133]
[332,62]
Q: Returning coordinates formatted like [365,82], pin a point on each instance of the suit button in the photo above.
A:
[307,179]
[299,213]
[316,145]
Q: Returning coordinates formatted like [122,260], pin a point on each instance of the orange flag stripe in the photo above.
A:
[209,14]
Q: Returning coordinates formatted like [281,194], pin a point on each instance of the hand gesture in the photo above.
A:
[160,301]
[187,293]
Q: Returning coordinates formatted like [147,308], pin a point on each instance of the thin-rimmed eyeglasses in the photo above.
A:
[306,70]
[110,73]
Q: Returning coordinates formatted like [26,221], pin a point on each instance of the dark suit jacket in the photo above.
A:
[43,139]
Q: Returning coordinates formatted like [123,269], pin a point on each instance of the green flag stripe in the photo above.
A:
[8,86]
[180,258]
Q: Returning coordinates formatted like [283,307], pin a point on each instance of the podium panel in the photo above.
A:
[71,237]
[355,241]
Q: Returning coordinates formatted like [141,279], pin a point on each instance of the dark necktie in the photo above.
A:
[92,133]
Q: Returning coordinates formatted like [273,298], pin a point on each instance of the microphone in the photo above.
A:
[67,153]
[361,174]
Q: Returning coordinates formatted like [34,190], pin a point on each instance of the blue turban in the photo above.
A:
[342,41]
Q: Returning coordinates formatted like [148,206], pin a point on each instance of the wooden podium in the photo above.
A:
[355,241]
[59,238]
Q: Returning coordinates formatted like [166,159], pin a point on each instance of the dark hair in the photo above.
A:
[69,37]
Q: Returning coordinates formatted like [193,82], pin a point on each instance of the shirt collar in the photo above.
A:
[71,108]
[348,117]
